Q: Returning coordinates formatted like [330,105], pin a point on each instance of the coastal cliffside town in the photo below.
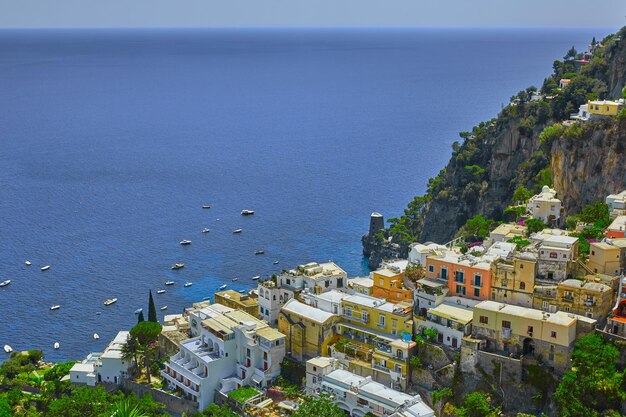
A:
[505,309]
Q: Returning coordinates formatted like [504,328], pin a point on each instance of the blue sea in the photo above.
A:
[111,142]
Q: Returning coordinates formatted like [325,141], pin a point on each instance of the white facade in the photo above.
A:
[83,373]
[616,202]
[111,367]
[429,293]
[316,277]
[359,395]
[329,301]
[271,299]
[545,206]
[419,252]
[583,114]
[451,322]
[233,349]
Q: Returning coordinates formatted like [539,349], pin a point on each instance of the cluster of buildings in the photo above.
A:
[515,295]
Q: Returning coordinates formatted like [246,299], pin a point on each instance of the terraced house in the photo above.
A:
[375,338]
[232,349]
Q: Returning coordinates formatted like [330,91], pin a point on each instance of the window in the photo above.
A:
[553,335]
[394,323]
[364,316]
[530,330]
[477,280]
[288,281]
[327,284]
[476,292]
[248,353]
[522,285]
[521,266]
[544,305]
[347,311]
[381,282]
[431,268]
[553,255]
[339,282]
[400,354]
[314,380]
[381,320]
[459,276]
[398,369]
[484,320]
[593,252]
[506,324]
[444,272]
[460,289]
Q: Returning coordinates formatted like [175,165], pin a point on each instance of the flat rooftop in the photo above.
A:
[306,311]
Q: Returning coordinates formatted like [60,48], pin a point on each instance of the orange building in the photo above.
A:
[388,285]
[616,228]
[467,276]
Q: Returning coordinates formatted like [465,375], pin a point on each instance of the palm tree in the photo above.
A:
[124,409]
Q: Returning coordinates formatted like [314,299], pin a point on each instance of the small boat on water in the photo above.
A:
[206,298]
[55,307]
[96,336]
[139,310]
[256,277]
[242,291]
[110,301]
[247,212]
[163,308]
[28,263]
[5,283]
[56,345]
[178,266]
[188,284]
[8,349]
[222,287]
[259,252]
[160,291]
[237,231]
[185,242]
[45,268]
[169,282]
[234,279]
[205,230]
[275,262]
[206,206]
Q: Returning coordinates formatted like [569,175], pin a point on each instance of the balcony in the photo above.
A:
[359,318]
[379,367]
[567,299]
[590,303]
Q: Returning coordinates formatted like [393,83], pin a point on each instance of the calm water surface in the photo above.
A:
[111,141]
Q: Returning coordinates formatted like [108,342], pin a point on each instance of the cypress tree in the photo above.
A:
[152,315]
[140,317]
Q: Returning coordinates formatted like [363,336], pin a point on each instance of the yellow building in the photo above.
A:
[517,331]
[604,107]
[604,258]
[388,285]
[238,301]
[587,298]
[309,330]
[362,285]
[513,282]
[378,335]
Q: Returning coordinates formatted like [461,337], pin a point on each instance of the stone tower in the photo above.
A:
[377,223]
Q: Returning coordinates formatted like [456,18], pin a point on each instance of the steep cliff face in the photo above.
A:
[506,152]
[587,168]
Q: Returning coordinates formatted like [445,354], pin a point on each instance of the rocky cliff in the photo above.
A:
[506,152]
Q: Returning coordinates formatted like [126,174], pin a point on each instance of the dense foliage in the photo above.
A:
[321,406]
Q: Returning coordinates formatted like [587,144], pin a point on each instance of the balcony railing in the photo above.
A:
[590,303]
[567,298]
[360,319]
[380,367]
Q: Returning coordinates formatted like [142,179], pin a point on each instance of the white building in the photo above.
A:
[329,301]
[233,349]
[107,366]
[545,206]
[271,300]
[316,277]
[362,285]
[583,114]
[556,257]
[429,293]
[451,322]
[359,395]
[616,203]
[418,252]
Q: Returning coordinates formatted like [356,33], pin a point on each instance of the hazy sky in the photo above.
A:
[312,13]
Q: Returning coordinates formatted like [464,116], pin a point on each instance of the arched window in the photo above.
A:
[522,285]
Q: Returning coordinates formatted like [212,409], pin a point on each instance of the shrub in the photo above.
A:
[549,134]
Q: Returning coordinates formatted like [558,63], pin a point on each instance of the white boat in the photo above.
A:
[163,308]
[205,230]
[139,310]
[5,283]
[169,282]
[275,262]
[259,252]
[8,349]
[237,231]
[55,307]
[247,212]
[234,279]
[223,287]
[185,242]
[28,263]
[57,345]
[206,206]
[96,336]
[242,291]
[160,291]
[256,277]
[110,301]
[188,284]
[45,268]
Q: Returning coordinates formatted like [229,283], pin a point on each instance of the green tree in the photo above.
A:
[549,134]
[597,214]
[152,314]
[521,194]
[477,404]
[124,408]
[534,226]
[140,317]
[81,402]
[571,54]
[440,396]
[321,406]
[214,410]
[5,408]
[131,349]
[593,386]
[147,334]
[58,371]
[478,227]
